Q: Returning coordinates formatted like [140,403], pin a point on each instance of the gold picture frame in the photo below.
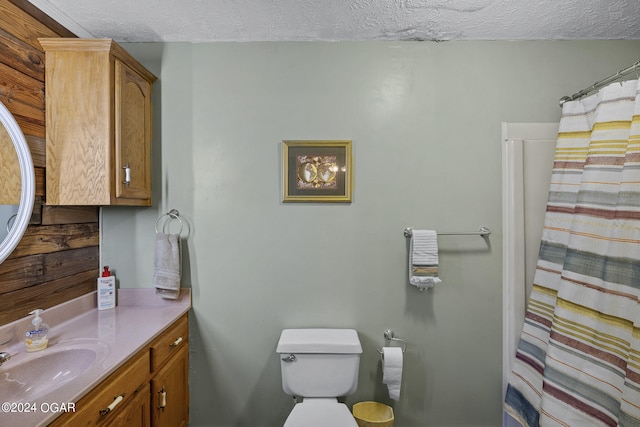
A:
[317,171]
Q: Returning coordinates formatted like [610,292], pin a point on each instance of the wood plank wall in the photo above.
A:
[58,257]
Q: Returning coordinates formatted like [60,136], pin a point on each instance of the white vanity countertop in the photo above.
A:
[114,334]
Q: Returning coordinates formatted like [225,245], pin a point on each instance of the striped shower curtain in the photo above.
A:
[578,360]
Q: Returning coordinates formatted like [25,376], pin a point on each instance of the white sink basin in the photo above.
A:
[27,377]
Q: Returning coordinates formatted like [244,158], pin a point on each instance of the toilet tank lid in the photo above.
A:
[318,340]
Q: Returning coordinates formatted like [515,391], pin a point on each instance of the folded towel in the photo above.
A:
[423,259]
[167,265]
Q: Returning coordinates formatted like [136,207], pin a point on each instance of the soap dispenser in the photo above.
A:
[106,290]
[37,337]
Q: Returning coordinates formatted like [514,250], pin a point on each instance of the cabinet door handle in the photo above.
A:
[127,175]
[163,399]
[175,343]
[116,401]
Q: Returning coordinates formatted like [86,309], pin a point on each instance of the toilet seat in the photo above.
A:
[320,413]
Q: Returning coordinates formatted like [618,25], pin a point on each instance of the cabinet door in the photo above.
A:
[170,392]
[10,177]
[112,397]
[137,412]
[133,134]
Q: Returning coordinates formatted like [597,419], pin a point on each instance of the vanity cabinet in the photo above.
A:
[98,124]
[151,389]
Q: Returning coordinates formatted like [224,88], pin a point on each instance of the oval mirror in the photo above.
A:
[17,183]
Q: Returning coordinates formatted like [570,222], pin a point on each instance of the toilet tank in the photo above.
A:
[319,362]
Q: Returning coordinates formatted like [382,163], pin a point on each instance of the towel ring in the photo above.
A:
[172,214]
[389,336]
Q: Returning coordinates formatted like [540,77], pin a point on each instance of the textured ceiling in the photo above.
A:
[250,20]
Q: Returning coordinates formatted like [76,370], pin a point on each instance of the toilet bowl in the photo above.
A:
[320,413]
[319,365]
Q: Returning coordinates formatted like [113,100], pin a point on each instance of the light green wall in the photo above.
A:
[425,123]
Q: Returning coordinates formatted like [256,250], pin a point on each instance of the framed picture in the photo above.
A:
[317,171]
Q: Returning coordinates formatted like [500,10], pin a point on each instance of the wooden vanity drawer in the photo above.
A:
[169,343]
[127,382]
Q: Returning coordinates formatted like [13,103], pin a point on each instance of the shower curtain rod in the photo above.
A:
[600,84]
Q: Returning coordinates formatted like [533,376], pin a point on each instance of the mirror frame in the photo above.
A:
[27,174]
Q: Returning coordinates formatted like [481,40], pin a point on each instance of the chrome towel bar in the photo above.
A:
[483,231]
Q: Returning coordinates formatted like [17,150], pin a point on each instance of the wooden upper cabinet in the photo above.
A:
[10,174]
[98,124]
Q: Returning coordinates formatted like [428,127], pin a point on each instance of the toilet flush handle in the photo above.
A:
[289,358]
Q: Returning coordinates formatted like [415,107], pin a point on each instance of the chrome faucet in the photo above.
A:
[4,357]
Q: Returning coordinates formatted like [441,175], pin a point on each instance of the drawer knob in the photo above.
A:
[176,342]
[115,403]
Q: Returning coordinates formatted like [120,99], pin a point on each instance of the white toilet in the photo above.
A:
[319,365]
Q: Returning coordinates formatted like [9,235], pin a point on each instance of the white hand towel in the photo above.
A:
[167,265]
[423,259]
[392,370]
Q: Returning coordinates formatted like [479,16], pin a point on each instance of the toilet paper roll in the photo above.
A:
[392,370]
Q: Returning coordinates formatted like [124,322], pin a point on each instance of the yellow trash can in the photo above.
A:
[373,414]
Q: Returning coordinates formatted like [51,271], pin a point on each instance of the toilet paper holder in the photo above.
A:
[389,336]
